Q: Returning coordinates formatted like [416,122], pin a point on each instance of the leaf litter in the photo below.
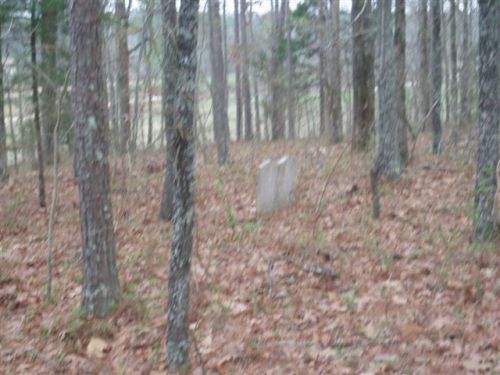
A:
[411,293]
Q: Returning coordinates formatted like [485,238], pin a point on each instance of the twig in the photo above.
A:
[315,270]
[53,204]
[320,200]
[198,353]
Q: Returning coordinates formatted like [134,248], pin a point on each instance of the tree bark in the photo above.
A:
[101,289]
[48,38]
[169,77]
[237,68]
[184,210]
[363,74]
[247,98]
[255,77]
[400,61]
[218,84]
[123,74]
[36,108]
[465,71]
[436,77]
[454,70]
[276,81]
[387,157]
[485,226]
[335,95]
[290,97]
[4,172]
[424,75]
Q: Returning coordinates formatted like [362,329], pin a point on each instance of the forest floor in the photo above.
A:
[410,294]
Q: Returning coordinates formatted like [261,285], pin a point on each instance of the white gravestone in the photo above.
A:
[275,184]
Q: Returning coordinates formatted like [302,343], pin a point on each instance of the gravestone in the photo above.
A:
[275,184]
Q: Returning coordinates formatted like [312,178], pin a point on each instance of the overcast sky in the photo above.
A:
[261,6]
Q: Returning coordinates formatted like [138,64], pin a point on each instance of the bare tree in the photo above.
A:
[436,76]
[362,74]
[237,68]
[101,288]
[169,77]
[335,80]
[465,71]
[485,226]
[255,78]
[276,81]
[454,70]
[290,95]
[245,82]
[424,67]
[36,107]
[400,61]
[4,172]
[183,220]
[121,14]
[48,38]
[387,160]
[218,84]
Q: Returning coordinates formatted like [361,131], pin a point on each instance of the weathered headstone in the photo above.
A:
[275,184]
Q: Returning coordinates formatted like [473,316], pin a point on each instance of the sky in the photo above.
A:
[260,6]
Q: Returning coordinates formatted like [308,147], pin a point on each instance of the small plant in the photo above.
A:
[349,299]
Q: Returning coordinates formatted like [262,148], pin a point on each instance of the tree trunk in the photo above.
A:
[363,78]
[335,120]
[4,172]
[465,71]
[485,226]
[290,69]
[454,70]
[11,123]
[36,108]
[101,289]
[424,75]
[255,77]
[237,68]
[123,74]
[387,158]
[324,108]
[436,76]
[48,38]
[400,61]
[245,83]
[218,84]
[169,77]
[276,81]
[183,220]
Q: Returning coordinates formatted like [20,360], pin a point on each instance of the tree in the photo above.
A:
[363,79]
[276,82]
[123,78]
[183,220]
[454,69]
[218,84]
[465,115]
[424,76]
[237,68]
[245,82]
[485,225]
[335,80]
[4,172]
[169,77]
[436,76]
[48,38]
[387,160]
[36,107]
[400,61]
[290,94]
[101,289]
